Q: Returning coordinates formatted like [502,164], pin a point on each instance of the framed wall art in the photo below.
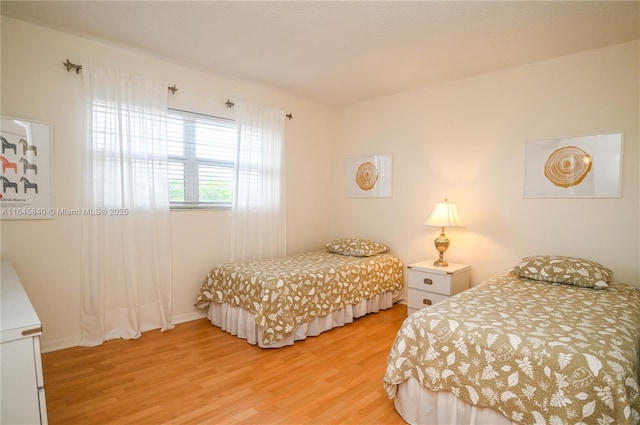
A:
[368,176]
[574,167]
[26,189]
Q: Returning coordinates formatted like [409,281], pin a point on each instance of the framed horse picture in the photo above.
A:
[26,161]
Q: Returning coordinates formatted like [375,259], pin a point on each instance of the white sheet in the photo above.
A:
[418,405]
[241,323]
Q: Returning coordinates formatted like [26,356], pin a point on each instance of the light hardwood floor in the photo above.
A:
[198,374]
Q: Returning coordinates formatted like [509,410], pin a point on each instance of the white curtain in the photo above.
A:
[258,210]
[126,251]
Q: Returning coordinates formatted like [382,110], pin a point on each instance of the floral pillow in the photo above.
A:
[566,270]
[355,247]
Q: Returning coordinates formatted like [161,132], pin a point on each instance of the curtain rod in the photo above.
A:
[70,65]
[230,104]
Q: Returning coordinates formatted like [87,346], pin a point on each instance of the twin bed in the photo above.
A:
[273,303]
[553,341]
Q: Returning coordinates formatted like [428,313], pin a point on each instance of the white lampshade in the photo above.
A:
[445,214]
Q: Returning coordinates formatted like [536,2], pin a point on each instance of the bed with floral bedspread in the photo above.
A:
[284,292]
[537,351]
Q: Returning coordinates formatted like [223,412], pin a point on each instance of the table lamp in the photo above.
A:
[444,215]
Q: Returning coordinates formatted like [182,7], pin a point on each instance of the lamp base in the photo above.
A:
[441,243]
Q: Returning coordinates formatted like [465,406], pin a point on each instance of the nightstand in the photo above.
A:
[429,284]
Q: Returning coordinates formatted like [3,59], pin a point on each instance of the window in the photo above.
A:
[125,140]
[202,155]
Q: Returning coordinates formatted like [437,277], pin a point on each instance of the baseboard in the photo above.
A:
[176,320]
[64,343]
[59,344]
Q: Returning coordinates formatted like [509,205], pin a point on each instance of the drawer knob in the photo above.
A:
[428,281]
[426,301]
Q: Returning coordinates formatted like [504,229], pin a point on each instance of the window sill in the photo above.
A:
[200,208]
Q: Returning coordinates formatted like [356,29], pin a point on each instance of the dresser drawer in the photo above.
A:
[432,282]
[422,299]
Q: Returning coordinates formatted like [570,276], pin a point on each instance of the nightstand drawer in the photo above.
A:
[429,284]
[433,282]
[422,299]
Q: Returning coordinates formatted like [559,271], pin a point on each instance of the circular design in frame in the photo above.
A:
[366,176]
[567,166]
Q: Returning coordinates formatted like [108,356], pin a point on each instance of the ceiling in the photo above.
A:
[340,52]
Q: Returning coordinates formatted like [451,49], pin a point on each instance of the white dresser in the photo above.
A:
[22,383]
[429,284]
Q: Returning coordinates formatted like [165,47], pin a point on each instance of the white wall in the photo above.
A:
[465,140]
[46,253]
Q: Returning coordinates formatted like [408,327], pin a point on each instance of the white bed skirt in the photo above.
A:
[418,405]
[241,323]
